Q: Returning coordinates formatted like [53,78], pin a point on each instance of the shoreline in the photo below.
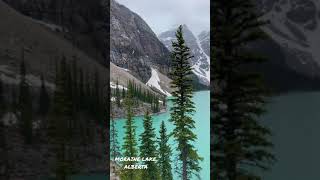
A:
[142,114]
[166,109]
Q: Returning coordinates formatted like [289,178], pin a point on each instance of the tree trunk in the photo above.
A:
[184,165]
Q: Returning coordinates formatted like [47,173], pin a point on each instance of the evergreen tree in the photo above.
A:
[123,93]
[25,105]
[2,100]
[148,148]
[157,105]
[59,123]
[164,101]
[4,156]
[44,99]
[118,97]
[114,144]
[130,143]
[183,108]
[239,96]
[81,89]
[164,154]
[88,94]
[75,83]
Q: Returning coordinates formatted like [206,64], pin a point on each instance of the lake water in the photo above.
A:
[202,119]
[295,122]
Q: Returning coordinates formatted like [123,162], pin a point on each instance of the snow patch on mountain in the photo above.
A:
[113,85]
[294,25]
[154,82]
[204,72]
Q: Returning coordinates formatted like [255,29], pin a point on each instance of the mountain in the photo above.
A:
[293,46]
[204,39]
[133,44]
[42,44]
[81,22]
[199,48]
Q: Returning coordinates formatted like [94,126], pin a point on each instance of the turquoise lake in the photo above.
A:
[202,119]
[295,122]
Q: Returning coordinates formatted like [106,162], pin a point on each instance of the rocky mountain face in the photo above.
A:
[293,48]
[133,44]
[199,46]
[204,38]
[82,22]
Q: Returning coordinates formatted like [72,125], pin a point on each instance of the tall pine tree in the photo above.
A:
[60,122]
[239,96]
[183,108]
[148,148]
[25,105]
[44,99]
[114,144]
[130,144]
[2,100]
[164,154]
[118,96]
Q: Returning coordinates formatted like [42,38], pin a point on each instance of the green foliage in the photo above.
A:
[164,154]
[239,95]
[123,93]
[2,100]
[118,96]
[183,108]
[25,106]
[138,95]
[44,99]
[148,149]
[130,144]
[114,144]
[76,110]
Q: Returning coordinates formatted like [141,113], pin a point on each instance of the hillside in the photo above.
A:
[43,50]
[41,47]
[82,22]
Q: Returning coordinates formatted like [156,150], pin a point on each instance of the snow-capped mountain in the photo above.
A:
[204,38]
[294,26]
[199,49]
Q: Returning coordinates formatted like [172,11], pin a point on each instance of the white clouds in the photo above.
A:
[163,14]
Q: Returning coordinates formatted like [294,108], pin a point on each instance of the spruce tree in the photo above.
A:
[130,144]
[81,89]
[164,154]
[59,123]
[183,108]
[2,100]
[4,155]
[25,105]
[97,97]
[123,93]
[240,142]
[44,99]
[148,148]
[114,144]
[118,97]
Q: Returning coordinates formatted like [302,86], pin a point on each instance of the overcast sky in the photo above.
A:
[162,15]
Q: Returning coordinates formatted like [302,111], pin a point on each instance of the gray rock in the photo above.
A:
[133,44]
